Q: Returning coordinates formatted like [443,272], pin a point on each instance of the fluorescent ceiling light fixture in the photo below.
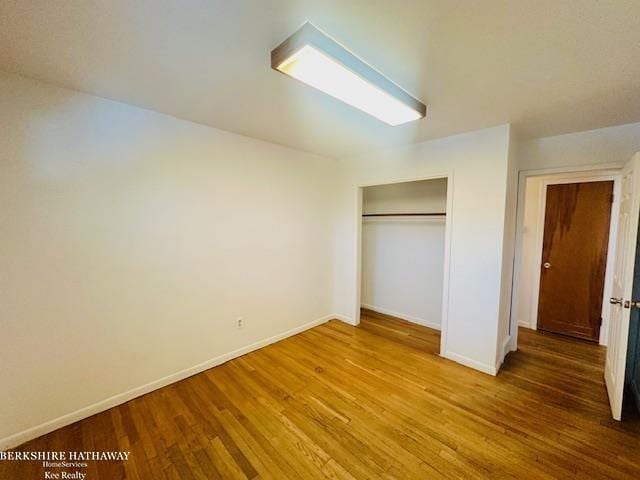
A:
[315,59]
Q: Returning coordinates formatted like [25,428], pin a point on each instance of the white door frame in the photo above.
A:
[447,248]
[602,172]
[613,230]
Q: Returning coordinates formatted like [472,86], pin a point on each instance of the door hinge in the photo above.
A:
[613,197]
[600,321]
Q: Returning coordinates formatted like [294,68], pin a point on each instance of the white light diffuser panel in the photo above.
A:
[315,59]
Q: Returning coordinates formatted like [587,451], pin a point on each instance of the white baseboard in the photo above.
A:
[343,318]
[468,362]
[47,427]
[408,318]
[524,324]
[505,348]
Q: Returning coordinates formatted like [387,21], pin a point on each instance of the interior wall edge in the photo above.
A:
[506,348]
[36,431]
[344,318]
[505,330]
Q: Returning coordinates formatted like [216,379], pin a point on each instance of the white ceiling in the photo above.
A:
[547,66]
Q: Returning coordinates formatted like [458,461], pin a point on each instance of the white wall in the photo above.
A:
[406,197]
[403,257]
[131,241]
[478,167]
[593,147]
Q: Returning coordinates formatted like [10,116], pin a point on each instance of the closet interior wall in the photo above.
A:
[403,242]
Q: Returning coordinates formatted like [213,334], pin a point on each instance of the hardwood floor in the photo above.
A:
[374,401]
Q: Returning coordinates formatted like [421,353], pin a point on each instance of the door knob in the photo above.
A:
[615,301]
[546,265]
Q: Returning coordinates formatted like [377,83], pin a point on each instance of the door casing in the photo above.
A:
[613,230]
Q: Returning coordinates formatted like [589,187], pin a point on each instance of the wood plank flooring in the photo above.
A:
[374,401]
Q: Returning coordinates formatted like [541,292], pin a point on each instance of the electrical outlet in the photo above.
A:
[239,322]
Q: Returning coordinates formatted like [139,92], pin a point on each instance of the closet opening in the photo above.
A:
[403,251]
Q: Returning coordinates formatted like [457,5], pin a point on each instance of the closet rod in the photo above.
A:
[404,214]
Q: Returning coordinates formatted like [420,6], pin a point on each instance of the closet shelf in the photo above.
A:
[404,214]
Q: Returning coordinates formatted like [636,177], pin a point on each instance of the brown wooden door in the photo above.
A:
[574,257]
